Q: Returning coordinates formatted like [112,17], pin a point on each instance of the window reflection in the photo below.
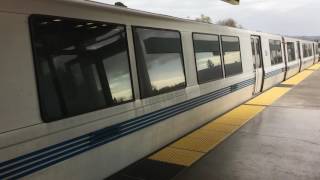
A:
[81,65]
[159,60]
[258,55]
[207,54]
[307,50]
[275,52]
[310,50]
[231,55]
[253,50]
[256,52]
[118,76]
[291,51]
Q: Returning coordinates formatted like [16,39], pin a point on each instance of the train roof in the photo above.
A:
[15,5]
[163,16]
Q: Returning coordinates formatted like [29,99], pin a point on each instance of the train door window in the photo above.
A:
[313,48]
[275,52]
[256,52]
[231,55]
[291,51]
[81,65]
[305,50]
[299,50]
[253,50]
[310,50]
[208,58]
[159,60]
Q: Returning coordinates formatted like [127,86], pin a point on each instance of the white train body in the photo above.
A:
[36,143]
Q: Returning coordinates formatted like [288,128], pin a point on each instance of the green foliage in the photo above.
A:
[120,4]
[204,19]
[229,22]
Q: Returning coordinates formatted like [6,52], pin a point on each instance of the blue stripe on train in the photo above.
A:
[273,73]
[40,159]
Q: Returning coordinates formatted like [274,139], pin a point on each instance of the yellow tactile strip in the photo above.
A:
[239,115]
[298,78]
[193,146]
[177,156]
[269,96]
[216,126]
[314,67]
[201,141]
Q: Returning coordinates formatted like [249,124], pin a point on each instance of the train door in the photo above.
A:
[314,52]
[299,55]
[285,57]
[257,63]
[318,51]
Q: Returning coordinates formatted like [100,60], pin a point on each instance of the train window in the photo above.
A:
[310,50]
[307,50]
[159,60]
[208,58]
[291,51]
[231,55]
[275,52]
[81,65]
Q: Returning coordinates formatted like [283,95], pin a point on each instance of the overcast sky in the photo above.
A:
[287,17]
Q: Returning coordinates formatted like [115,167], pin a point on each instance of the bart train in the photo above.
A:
[87,89]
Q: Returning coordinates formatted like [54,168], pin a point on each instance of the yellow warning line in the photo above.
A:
[176,156]
[216,126]
[200,140]
[269,96]
[298,78]
[239,115]
[193,146]
[314,67]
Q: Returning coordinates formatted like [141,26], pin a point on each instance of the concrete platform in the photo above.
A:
[282,142]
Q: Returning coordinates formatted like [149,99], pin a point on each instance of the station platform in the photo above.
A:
[275,135]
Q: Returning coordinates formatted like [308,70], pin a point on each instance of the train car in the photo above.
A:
[88,88]
[293,56]
[308,56]
[273,60]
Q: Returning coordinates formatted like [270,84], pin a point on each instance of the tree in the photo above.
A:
[120,4]
[229,22]
[203,18]
[210,64]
